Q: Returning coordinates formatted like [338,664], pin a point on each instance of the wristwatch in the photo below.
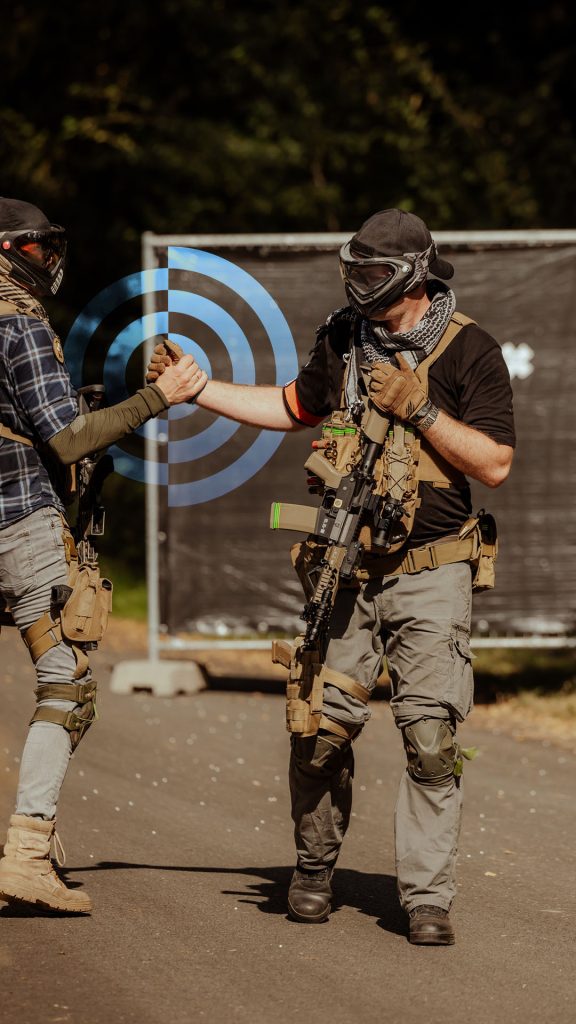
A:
[425,416]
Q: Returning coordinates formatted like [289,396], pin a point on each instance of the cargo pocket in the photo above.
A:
[460,694]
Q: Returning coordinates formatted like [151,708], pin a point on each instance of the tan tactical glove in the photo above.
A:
[165,353]
[399,392]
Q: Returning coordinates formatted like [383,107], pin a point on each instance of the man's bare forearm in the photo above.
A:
[255,406]
[470,451]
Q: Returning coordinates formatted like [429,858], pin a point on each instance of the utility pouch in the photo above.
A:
[484,561]
[305,689]
[84,617]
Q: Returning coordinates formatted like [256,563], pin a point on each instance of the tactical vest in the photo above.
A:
[407,459]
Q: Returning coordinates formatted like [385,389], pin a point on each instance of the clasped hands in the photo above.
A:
[185,378]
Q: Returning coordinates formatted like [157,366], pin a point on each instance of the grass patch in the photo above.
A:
[130,599]
[499,672]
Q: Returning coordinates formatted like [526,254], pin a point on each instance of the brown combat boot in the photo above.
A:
[26,872]
[310,896]
[430,926]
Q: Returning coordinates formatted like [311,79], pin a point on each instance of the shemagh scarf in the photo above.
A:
[381,346]
[25,302]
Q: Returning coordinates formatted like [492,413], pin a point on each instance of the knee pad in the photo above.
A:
[321,755]
[75,722]
[430,750]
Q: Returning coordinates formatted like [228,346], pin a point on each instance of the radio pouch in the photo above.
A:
[84,617]
[484,565]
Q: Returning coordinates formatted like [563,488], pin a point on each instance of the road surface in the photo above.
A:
[175,818]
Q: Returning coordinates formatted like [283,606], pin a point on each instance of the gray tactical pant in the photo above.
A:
[421,624]
[32,560]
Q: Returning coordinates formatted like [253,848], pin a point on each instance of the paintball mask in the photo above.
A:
[32,250]
[391,254]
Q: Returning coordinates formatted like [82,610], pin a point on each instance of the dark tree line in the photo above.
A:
[300,115]
[233,115]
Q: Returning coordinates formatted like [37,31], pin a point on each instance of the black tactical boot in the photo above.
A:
[310,895]
[430,926]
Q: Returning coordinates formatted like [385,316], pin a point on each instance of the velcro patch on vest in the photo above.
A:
[57,349]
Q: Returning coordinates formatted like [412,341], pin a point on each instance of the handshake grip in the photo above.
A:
[165,353]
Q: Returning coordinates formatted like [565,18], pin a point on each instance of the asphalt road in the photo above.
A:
[175,818]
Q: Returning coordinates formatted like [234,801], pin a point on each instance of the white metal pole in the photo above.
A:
[151,453]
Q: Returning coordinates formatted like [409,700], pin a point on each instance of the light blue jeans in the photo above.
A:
[32,561]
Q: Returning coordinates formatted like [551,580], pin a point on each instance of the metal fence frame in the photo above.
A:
[151,242]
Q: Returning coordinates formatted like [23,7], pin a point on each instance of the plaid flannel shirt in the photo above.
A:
[37,400]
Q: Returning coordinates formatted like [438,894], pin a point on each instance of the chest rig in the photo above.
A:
[406,459]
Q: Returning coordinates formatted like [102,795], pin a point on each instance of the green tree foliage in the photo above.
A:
[301,115]
[252,116]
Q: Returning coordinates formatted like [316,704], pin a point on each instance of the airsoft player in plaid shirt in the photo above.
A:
[42,433]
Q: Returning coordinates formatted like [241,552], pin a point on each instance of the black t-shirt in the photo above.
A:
[469,381]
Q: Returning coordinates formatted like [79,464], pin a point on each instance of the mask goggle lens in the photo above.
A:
[366,276]
[44,248]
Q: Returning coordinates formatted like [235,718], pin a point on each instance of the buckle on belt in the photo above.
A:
[421,558]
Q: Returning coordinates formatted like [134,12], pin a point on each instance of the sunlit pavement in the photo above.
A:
[175,818]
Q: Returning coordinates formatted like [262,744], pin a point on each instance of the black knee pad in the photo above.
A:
[321,755]
[430,750]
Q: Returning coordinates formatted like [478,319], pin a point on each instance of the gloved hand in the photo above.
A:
[397,391]
[165,354]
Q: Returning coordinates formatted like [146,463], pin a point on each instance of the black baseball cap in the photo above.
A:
[397,233]
[16,215]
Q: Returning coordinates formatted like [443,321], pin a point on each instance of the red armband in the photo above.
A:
[295,408]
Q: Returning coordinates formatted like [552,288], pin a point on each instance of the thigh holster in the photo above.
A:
[78,613]
[430,750]
[305,690]
[75,722]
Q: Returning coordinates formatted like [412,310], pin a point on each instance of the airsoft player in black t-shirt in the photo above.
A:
[401,352]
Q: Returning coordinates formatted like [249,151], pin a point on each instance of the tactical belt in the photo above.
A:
[430,556]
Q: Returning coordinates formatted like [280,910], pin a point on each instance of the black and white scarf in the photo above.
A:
[381,346]
[23,300]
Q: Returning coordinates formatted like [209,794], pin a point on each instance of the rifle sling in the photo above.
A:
[6,432]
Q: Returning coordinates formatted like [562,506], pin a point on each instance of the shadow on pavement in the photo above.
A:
[372,894]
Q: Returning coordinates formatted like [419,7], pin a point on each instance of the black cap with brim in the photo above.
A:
[16,215]
[397,233]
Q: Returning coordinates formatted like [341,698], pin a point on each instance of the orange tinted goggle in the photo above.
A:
[46,248]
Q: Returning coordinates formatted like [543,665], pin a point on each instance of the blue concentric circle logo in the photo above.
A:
[201,301]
